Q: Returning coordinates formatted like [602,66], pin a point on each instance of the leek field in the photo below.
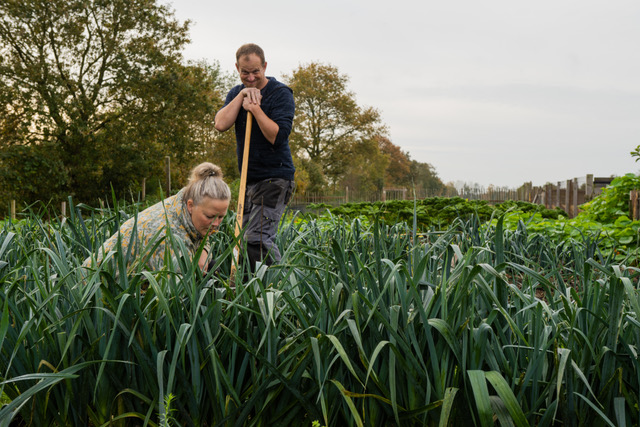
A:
[366,322]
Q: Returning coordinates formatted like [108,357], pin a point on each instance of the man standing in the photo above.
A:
[270,171]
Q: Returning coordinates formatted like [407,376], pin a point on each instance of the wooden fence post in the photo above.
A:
[558,200]
[63,210]
[167,166]
[575,197]
[13,210]
[567,198]
[588,191]
[144,188]
[634,205]
[346,194]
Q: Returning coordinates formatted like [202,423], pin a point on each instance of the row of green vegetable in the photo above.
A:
[605,219]
[367,321]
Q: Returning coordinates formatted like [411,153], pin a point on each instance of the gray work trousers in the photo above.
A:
[265,202]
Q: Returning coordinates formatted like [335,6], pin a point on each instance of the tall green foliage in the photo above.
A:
[361,324]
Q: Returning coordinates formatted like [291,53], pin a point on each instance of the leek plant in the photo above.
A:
[361,324]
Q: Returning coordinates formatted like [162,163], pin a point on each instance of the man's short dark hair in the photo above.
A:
[248,49]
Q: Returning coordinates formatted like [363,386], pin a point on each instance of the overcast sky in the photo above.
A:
[495,92]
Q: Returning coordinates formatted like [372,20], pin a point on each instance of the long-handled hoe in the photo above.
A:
[241,196]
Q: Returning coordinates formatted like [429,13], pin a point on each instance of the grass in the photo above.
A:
[361,324]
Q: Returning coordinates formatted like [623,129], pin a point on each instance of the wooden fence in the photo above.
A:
[567,195]
[493,196]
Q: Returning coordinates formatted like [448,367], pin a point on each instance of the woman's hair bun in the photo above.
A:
[205,170]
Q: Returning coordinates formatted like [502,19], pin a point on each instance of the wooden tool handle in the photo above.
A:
[243,188]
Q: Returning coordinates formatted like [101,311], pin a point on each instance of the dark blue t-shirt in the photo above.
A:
[267,160]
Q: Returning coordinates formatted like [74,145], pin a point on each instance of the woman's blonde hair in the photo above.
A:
[206,181]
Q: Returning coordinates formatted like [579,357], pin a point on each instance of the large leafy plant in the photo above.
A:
[614,200]
[433,212]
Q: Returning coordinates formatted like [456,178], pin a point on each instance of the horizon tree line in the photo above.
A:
[95,94]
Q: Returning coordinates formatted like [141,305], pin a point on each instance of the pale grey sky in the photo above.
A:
[495,92]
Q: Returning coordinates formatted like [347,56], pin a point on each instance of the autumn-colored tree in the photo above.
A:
[329,124]
[398,171]
[100,91]
[402,171]
[425,178]
[366,171]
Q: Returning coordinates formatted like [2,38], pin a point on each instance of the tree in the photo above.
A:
[636,153]
[366,172]
[405,172]
[398,172]
[99,88]
[220,147]
[183,100]
[328,122]
[425,177]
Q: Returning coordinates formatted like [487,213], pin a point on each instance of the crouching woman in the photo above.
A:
[191,215]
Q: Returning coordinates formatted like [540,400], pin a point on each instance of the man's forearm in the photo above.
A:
[268,127]
[226,116]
